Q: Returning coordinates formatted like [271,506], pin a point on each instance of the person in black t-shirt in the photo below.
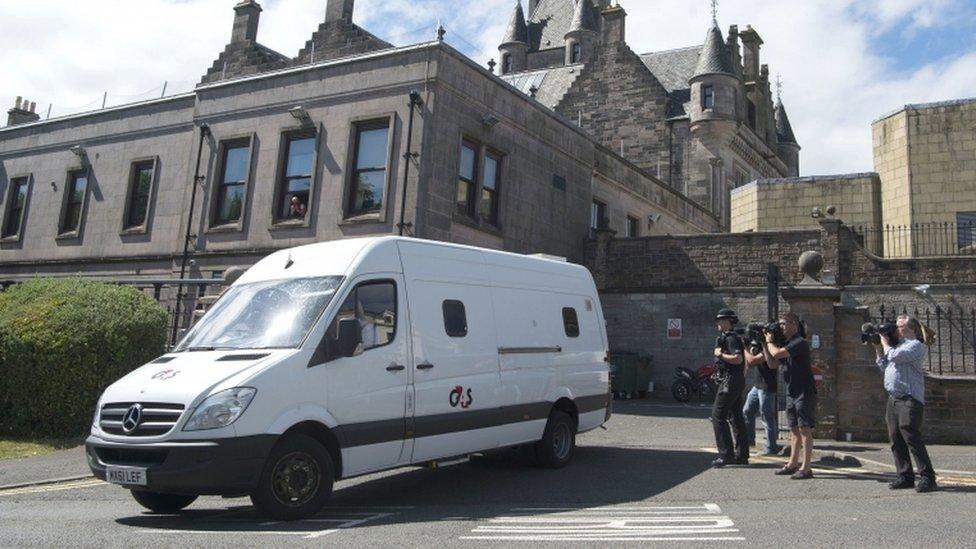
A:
[729,353]
[801,402]
[761,399]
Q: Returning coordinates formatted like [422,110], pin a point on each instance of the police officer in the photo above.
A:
[727,410]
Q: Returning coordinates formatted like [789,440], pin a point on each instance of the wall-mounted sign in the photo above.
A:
[674,328]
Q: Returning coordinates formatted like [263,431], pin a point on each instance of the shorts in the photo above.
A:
[802,411]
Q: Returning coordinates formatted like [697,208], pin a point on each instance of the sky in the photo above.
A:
[843,63]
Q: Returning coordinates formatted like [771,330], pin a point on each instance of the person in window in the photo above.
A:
[296,208]
[904,380]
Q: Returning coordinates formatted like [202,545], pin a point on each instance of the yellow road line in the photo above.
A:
[74,485]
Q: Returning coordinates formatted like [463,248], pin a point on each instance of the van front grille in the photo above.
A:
[139,419]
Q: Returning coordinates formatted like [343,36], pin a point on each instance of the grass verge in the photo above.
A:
[13,448]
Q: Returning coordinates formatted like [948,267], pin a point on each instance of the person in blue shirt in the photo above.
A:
[904,380]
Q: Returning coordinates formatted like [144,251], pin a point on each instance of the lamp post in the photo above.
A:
[197,178]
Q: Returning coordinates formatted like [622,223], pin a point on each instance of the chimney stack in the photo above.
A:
[339,10]
[614,25]
[22,113]
[247,14]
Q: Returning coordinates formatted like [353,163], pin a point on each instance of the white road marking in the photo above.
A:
[45,488]
[307,528]
[688,523]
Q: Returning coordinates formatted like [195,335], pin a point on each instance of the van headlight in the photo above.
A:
[221,409]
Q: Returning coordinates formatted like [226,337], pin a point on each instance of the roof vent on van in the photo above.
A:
[550,257]
[163,360]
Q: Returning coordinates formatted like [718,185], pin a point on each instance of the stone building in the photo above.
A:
[921,201]
[271,151]
[700,118]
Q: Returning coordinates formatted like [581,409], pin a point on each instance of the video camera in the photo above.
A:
[755,334]
[872,334]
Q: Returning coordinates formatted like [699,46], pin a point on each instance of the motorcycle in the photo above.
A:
[688,382]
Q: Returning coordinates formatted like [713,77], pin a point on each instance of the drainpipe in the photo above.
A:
[415,101]
[197,179]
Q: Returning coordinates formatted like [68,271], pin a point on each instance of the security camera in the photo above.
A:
[654,217]
[489,120]
[923,289]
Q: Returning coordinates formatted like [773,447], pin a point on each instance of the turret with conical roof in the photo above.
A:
[786,146]
[581,34]
[714,86]
[514,49]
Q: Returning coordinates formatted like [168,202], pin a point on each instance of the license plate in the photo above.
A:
[132,476]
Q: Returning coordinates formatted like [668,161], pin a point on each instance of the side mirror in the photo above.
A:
[350,342]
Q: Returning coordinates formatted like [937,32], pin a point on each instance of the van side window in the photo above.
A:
[570,322]
[455,320]
[374,305]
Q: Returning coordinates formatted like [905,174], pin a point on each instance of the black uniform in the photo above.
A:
[729,401]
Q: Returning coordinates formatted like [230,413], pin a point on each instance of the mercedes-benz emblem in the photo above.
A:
[132,418]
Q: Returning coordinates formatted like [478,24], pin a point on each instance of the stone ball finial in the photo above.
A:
[232,274]
[811,263]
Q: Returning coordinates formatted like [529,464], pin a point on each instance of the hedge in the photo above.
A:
[62,342]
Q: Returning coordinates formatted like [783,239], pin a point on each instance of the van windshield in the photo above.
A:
[263,315]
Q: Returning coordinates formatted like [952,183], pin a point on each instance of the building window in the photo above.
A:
[74,201]
[140,188]
[369,176]
[708,97]
[489,188]
[295,182]
[966,231]
[467,182]
[598,215]
[576,53]
[16,204]
[232,183]
[455,318]
[633,227]
[571,322]
[507,63]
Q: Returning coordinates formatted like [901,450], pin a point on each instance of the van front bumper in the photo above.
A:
[219,467]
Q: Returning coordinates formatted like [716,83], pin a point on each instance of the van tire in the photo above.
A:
[558,442]
[162,503]
[282,496]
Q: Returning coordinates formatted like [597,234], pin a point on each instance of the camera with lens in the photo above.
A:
[872,334]
[755,335]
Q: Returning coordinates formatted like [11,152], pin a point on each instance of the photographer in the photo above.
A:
[762,396]
[730,358]
[905,382]
[801,404]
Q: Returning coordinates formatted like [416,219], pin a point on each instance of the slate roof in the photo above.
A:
[784,131]
[517,30]
[550,22]
[552,83]
[715,58]
[583,17]
[673,69]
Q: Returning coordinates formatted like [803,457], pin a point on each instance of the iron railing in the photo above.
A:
[164,291]
[952,349]
[919,239]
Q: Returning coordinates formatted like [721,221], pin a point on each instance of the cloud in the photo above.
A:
[839,68]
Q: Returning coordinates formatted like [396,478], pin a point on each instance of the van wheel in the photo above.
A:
[297,479]
[162,503]
[558,441]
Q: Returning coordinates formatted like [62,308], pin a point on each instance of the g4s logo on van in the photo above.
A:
[460,397]
[165,374]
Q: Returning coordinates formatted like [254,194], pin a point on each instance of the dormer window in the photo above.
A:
[576,53]
[708,97]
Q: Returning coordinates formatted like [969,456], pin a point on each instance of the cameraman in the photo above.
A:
[761,398]
[801,404]
[729,355]
[905,382]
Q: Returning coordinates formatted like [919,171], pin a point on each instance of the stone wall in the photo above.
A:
[786,204]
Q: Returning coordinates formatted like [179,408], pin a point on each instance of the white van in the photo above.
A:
[343,358]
